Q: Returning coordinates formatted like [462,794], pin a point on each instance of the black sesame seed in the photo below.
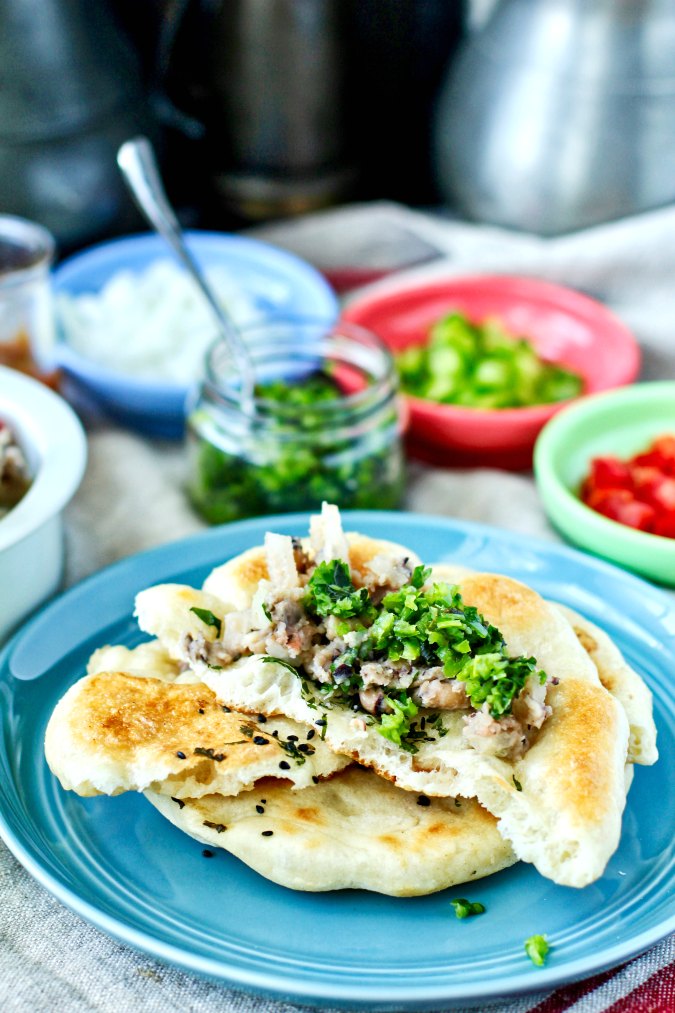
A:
[262,719]
[304,748]
[423,800]
[310,734]
[260,809]
[228,710]
[201,710]
[207,854]
[260,741]
[321,722]
[179,802]
[181,756]
[284,765]
[292,738]
[275,733]
[263,800]
[315,779]
[267,833]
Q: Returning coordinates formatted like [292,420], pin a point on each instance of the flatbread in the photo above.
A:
[355,830]
[614,672]
[235,582]
[150,658]
[560,805]
[114,732]
[622,682]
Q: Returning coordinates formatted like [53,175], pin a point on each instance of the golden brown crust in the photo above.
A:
[352,831]
[114,732]
[572,758]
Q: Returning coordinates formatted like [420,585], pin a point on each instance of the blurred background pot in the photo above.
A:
[70,93]
[559,114]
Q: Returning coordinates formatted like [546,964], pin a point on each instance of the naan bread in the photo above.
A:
[236,581]
[615,674]
[354,831]
[623,682]
[150,658]
[114,732]
[559,806]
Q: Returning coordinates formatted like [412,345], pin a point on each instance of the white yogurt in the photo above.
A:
[154,324]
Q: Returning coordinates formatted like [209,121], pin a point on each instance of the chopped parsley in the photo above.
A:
[395,726]
[537,948]
[464,908]
[425,626]
[207,616]
[516,783]
[269,660]
[330,592]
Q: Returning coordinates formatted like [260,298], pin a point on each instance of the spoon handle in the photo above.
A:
[138,165]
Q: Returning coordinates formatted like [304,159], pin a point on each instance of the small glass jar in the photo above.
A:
[26,307]
[325,423]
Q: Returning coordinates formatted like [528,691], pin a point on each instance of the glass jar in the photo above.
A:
[325,423]
[26,307]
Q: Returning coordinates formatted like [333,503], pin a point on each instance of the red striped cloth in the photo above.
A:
[643,985]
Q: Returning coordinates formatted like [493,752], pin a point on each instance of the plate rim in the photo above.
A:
[319,988]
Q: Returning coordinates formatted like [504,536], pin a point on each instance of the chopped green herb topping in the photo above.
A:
[330,592]
[419,625]
[269,660]
[537,948]
[517,784]
[207,616]
[395,726]
[464,908]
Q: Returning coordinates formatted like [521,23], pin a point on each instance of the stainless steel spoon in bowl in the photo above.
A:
[138,165]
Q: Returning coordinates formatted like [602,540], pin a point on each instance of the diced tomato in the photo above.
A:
[652,486]
[609,473]
[639,492]
[660,455]
[665,524]
[620,505]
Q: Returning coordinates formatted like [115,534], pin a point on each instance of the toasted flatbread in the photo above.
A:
[150,658]
[355,830]
[560,805]
[235,582]
[623,683]
[614,672]
[114,732]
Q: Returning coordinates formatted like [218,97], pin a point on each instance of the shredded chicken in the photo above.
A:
[445,694]
[504,737]
[277,624]
[384,574]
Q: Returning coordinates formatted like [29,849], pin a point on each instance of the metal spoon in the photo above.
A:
[138,165]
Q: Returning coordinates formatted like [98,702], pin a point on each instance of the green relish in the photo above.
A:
[429,626]
[537,948]
[482,366]
[303,448]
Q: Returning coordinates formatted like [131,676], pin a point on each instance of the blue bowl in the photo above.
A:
[278,283]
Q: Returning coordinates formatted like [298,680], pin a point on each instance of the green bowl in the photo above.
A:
[622,423]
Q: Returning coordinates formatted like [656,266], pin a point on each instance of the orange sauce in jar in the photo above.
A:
[17,354]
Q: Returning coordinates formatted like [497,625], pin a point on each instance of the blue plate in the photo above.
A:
[120,865]
[277,283]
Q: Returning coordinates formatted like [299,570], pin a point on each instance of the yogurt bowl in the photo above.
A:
[31,533]
[262,283]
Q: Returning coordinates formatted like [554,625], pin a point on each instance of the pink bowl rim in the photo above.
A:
[529,416]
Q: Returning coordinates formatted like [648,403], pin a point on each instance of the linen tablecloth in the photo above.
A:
[50,960]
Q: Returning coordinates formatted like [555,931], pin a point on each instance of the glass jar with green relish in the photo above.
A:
[325,423]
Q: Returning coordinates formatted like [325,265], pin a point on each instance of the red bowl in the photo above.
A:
[564,326]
